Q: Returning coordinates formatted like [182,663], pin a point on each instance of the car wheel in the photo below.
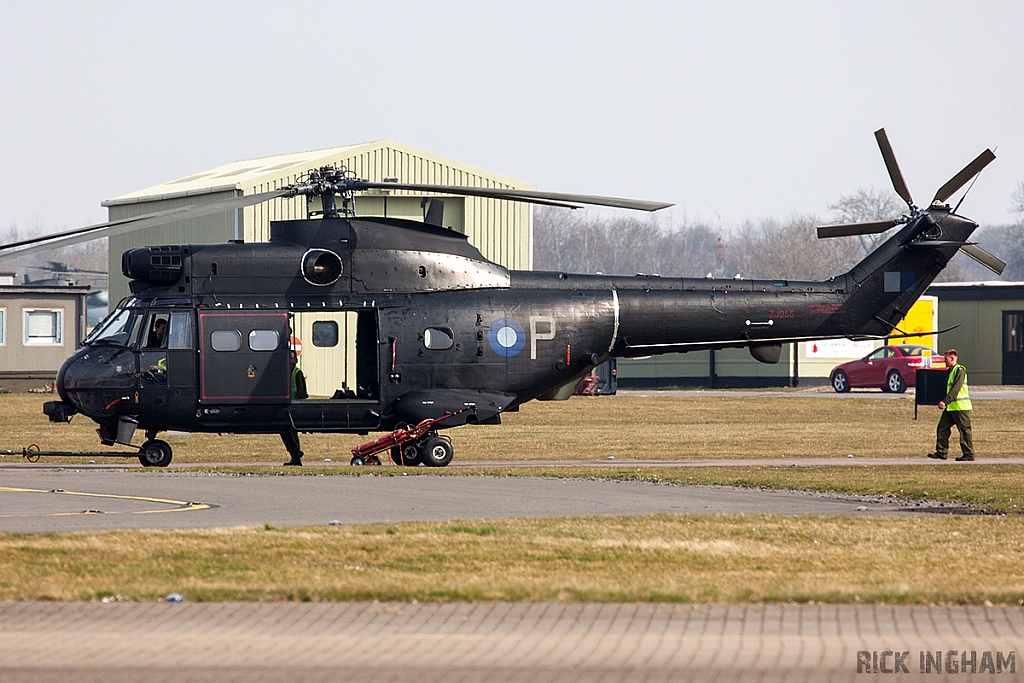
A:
[840,382]
[895,383]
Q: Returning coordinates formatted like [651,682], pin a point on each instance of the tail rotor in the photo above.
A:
[899,184]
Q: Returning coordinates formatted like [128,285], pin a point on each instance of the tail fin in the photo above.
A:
[882,288]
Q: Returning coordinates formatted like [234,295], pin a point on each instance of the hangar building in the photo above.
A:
[501,230]
[990,328]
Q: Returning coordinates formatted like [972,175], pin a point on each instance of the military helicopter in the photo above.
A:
[426,327]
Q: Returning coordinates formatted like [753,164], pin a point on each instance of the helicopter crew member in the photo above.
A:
[290,437]
[157,334]
[956,410]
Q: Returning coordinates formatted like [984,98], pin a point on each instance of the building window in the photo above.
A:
[44,327]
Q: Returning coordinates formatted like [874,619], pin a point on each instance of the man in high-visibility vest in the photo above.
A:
[290,437]
[956,410]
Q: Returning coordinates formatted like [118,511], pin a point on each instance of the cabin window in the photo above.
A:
[179,334]
[325,333]
[44,326]
[438,338]
[3,326]
[226,340]
[264,340]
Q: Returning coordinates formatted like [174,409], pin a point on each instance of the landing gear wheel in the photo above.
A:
[357,461]
[895,382]
[840,382]
[407,455]
[155,453]
[437,452]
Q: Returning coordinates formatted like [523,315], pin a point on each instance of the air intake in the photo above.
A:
[321,267]
[152,264]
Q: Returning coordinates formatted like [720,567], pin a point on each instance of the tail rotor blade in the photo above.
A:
[960,179]
[898,183]
[993,263]
[847,229]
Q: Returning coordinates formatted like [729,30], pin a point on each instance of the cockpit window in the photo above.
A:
[156,338]
[119,329]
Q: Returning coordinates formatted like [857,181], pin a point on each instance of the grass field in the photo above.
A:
[935,559]
[625,427]
[684,558]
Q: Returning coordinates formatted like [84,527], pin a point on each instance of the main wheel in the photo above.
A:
[357,461]
[840,382]
[895,382]
[155,453]
[437,452]
[407,455]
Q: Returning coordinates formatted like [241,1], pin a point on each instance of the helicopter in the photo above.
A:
[429,329]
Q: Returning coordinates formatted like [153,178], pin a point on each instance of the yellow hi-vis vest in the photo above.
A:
[963,397]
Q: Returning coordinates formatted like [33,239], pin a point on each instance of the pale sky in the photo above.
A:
[733,111]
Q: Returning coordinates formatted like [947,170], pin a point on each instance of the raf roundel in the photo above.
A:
[507,337]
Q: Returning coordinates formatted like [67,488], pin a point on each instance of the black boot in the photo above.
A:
[296,460]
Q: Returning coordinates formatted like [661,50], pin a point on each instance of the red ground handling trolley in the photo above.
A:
[409,446]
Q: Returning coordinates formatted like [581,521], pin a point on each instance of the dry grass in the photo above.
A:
[760,558]
[626,427]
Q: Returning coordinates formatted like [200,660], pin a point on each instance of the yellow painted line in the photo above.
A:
[180,505]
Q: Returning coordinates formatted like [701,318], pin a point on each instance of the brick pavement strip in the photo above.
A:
[532,642]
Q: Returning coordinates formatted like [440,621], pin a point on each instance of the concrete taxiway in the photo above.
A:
[51,500]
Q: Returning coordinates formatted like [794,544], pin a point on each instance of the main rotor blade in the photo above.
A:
[898,183]
[118,227]
[846,229]
[960,179]
[993,263]
[531,196]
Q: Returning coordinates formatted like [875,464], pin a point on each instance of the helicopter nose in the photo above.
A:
[92,380]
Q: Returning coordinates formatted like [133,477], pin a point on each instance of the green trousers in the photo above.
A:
[962,420]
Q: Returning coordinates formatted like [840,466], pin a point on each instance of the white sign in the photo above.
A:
[838,348]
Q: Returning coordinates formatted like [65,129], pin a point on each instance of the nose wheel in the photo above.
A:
[155,453]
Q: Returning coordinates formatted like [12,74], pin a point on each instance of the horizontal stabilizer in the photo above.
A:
[993,263]
[846,229]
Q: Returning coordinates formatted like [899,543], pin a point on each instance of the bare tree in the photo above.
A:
[1017,199]
[863,206]
[623,245]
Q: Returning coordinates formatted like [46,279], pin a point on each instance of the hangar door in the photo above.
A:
[1013,347]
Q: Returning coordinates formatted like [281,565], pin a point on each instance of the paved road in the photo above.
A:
[440,643]
[34,500]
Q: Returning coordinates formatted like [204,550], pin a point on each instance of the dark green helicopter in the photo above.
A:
[410,322]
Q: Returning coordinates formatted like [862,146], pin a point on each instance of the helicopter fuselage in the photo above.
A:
[400,321]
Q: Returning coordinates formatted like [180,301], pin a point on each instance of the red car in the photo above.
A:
[889,368]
